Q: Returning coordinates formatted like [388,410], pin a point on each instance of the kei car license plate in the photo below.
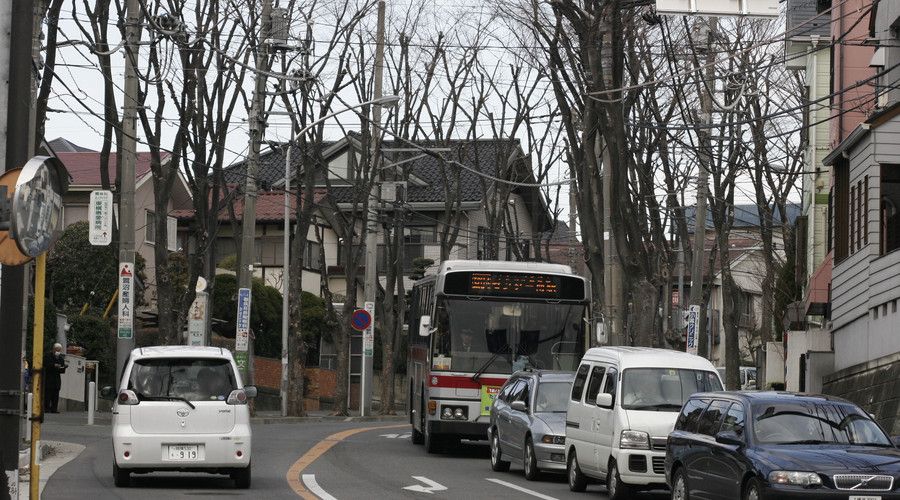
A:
[183,452]
[864,497]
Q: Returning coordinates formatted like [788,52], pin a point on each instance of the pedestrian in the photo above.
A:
[26,374]
[54,366]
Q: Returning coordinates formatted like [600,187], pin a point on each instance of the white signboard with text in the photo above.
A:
[693,316]
[369,333]
[755,8]
[100,214]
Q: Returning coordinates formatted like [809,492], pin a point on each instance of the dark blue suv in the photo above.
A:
[778,445]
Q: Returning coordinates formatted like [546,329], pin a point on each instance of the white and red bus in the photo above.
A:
[475,323]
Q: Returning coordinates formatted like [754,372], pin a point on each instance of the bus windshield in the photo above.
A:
[495,336]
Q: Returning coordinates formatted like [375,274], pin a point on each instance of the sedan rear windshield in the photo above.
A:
[815,423]
[664,389]
[193,379]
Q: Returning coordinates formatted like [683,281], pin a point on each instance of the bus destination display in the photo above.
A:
[510,284]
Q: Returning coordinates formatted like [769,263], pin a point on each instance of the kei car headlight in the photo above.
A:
[635,440]
[795,478]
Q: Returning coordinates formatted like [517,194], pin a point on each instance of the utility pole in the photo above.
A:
[16,86]
[248,220]
[372,220]
[125,331]
[704,347]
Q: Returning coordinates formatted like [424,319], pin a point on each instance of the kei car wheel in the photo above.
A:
[241,478]
[532,473]
[577,481]
[121,477]
[679,485]
[497,463]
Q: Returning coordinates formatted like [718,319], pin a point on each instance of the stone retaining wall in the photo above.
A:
[874,385]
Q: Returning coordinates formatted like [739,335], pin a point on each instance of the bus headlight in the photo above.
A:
[447,413]
[454,413]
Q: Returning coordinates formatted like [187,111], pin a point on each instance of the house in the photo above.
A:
[513,234]
[83,166]
[865,229]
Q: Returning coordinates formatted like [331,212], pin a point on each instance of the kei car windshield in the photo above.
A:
[552,397]
[664,389]
[815,423]
[194,379]
[497,336]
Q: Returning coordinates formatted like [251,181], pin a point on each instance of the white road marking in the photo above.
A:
[519,488]
[309,480]
[431,487]
[395,436]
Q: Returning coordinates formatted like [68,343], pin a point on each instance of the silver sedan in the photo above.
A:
[528,422]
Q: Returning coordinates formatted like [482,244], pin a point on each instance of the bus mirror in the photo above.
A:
[601,334]
[424,326]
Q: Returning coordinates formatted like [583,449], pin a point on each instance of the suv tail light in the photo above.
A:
[237,397]
[127,397]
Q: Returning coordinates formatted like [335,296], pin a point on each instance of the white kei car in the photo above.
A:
[181,408]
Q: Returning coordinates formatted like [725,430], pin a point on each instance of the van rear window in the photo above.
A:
[194,379]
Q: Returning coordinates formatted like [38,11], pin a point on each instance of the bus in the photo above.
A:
[472,325]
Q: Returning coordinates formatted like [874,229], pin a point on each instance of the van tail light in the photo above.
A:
[127,397]
[237,397]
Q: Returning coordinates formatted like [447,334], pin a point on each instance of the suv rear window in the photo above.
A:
[194,379]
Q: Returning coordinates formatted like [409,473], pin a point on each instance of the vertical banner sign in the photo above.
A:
[126,300]
[693,317]
[197,320]
[369,332]
[242,335]
[100,213]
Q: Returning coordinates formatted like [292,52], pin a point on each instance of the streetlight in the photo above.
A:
[390,100]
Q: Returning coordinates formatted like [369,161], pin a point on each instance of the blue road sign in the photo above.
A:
[360,320]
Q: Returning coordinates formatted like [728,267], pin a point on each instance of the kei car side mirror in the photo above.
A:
[729,437]
[108,393]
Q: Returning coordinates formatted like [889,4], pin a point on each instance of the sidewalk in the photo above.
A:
[55,455]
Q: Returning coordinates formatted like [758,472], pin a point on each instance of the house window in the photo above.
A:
[150,227]
[852,219]
[890,208]
[822,6]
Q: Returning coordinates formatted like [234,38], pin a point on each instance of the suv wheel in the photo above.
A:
[121,477]
[241,478]
[616,489]
[532,473]
[577,481]
[497,463]
[679,485]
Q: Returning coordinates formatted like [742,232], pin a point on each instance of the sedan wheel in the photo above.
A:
[679,486]
[497,463]
[532,472]
[751,491]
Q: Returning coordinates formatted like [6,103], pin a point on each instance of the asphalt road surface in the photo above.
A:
[327,460]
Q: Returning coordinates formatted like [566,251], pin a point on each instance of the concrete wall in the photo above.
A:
[799,343]
[872,385]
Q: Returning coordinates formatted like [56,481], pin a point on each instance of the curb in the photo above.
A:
[328,418]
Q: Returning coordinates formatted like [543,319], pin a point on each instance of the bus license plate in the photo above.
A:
[184,452]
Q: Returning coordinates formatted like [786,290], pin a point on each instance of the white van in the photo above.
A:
[623,406]
[181,408]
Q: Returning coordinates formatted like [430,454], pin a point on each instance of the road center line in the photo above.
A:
[314,453]
[519,488]
[310,481]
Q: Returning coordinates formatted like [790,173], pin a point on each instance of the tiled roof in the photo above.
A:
[484,155]
[61,145]
[745,216]
[84,167]
[269,207]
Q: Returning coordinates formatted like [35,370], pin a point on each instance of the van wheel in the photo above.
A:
[532,473]
[616,489]
[497,463]
[121,477]
[417,436]
[679,485]
[241,478]
[577,481]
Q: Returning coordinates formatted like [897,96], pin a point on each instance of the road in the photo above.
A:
[341,460]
